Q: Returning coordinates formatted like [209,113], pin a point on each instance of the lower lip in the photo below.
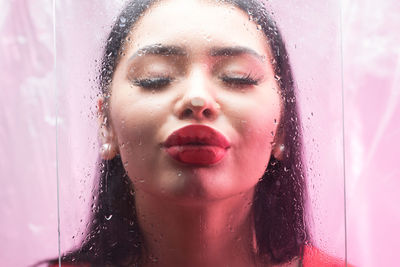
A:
[199,155]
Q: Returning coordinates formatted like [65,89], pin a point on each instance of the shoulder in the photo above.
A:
[314,257]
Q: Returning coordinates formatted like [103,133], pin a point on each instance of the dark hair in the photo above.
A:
[280,196]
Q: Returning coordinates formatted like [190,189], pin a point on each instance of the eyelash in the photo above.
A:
[153,83]
[239,81]
[160,82]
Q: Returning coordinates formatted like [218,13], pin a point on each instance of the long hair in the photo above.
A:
[279,207]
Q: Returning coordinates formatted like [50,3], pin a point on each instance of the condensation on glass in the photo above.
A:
[180,131]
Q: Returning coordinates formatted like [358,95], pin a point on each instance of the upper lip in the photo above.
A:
[197,135]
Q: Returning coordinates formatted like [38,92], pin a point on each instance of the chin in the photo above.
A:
[198,190]
[186,184]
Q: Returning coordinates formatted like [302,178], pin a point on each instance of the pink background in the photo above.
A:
[371,72]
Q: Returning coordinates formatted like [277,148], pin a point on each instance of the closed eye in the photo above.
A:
[240,80]
[153,82]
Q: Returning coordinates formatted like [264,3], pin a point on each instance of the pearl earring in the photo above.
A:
[108,151]
[282,147]
[278,151]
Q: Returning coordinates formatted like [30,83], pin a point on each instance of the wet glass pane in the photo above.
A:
[28,223]
[197,133]
[28,119]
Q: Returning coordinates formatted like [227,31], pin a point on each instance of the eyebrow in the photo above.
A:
[234,51]
[158,49]
[171,50]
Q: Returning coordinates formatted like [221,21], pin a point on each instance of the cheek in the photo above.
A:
[256,144]
[257,130]
[260,120]
[135,124]
[137,149]
[137,119]
[128,126]
[135,115]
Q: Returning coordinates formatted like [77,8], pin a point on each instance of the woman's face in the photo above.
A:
[195,63]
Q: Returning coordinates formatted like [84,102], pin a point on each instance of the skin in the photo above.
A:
[195,215]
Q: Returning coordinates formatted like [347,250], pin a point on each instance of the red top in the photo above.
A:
[313,257]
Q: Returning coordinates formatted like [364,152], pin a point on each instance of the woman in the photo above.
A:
[201,142]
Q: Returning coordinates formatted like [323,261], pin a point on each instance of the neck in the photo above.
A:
[214,233]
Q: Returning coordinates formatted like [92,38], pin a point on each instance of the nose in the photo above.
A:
[198,101]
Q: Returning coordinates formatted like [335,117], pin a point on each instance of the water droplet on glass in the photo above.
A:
[153,258]
[263,58]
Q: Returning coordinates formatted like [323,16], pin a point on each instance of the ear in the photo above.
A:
[101,110]
[278,147]
[108,141]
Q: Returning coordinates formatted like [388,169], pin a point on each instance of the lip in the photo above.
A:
[197,144]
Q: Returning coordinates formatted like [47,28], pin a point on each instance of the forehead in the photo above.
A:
[197,25]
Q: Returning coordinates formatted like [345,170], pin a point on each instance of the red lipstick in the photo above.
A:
[197,144]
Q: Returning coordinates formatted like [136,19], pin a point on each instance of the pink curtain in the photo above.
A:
[28,163]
